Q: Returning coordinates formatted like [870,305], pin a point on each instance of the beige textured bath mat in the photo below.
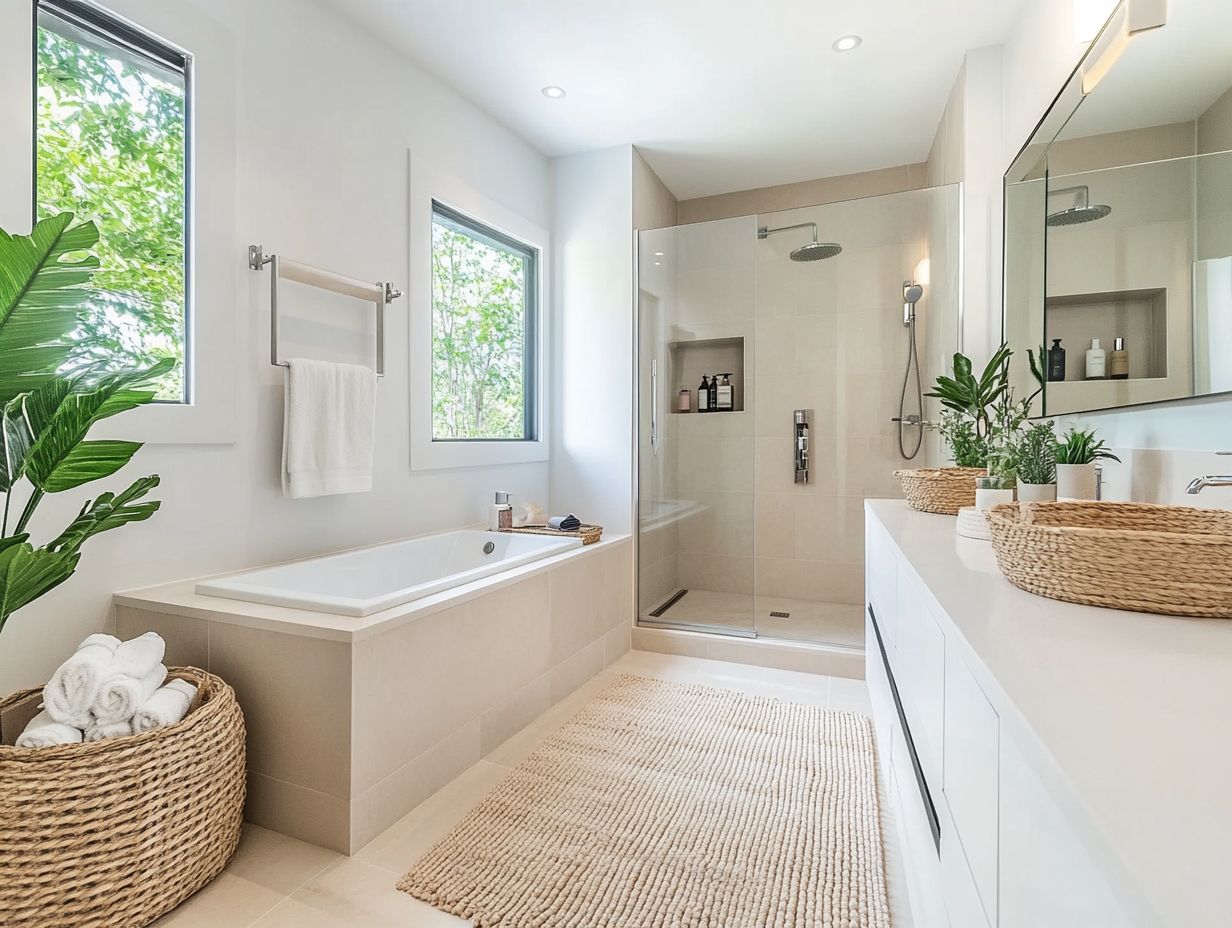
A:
[666,805]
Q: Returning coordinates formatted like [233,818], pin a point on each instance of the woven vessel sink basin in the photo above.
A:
[1140,557]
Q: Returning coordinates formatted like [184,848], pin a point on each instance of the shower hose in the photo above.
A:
[916,419]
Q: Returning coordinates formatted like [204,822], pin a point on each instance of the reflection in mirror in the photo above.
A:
[1118,220]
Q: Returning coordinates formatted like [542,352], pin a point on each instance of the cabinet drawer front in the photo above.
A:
[919,669]
[972,732]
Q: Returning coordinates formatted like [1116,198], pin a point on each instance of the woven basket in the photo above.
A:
[1134,556]
[115,833]
[943,490]
[588,533]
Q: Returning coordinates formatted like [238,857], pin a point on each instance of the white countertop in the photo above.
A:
[181,598]
[1134,710]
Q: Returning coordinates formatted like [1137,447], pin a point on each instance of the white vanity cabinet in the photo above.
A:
[1007,727]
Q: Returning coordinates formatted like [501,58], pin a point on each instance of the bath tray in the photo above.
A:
[1172,560]
[588,533]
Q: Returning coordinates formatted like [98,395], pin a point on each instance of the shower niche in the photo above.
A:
[690,359]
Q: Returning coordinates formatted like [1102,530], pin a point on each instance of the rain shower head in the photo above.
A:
[813,251]
[1082,210]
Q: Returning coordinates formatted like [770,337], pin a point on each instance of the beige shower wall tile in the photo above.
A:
[872,278]
[286,684]
[722,464]
[818,343]
[186,638]
[830,530]
[775,521]
[874,341]
[791,578]
[866,405]
[716,572]
[779,396]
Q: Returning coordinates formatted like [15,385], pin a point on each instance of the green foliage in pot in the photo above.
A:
[48,404]
[959,432]
[975,397]
[1033,453]
[1080,446]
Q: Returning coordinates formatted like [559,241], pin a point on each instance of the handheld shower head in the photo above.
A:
[911,295]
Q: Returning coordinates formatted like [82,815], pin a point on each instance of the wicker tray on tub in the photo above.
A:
[119,832]
[1140,557]
[943,490]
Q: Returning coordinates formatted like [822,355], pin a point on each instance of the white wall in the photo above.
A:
[324,117]
[592,444]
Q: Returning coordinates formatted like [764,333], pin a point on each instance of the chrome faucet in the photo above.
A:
[1198,484]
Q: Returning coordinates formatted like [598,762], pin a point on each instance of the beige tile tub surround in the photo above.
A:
[350,731]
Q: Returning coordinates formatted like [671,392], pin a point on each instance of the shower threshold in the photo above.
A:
[743,615]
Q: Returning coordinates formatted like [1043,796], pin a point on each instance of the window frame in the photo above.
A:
[220,362]
[531,313]
[429,186]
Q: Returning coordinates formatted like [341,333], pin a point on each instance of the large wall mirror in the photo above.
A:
[1118,218]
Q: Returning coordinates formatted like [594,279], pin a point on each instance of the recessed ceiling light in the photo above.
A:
[552,92]
[658,264]
[847,43]
[658,254]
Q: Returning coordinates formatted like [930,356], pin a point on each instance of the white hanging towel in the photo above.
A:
[327,428]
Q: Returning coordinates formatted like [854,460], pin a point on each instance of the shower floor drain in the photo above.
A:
[780,615]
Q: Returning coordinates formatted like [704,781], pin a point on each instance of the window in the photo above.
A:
[111,145]
[485,308]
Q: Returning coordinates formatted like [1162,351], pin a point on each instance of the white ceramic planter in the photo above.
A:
[986,499]
[1076,481]
[1036,492]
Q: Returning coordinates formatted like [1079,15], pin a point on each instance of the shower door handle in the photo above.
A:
[654,405]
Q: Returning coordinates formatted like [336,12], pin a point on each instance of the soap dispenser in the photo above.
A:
[1097,360]
[1056,361]
[500,516]
[725,403]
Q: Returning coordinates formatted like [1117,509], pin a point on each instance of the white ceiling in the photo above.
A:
[719,95]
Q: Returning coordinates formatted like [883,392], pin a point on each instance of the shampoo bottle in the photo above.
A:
[725,394]
[1118,362]
[1056,361]
[713,402]
[703,395]
[500,516]
[1096,361]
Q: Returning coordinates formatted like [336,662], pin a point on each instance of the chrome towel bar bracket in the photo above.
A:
[379,294]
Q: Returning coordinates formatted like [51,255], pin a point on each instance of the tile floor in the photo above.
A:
[814,622]
[279,882]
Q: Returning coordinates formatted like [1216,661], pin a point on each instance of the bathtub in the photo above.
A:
[359,583]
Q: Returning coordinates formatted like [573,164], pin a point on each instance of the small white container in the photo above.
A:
[986,499]
[1077,481]
[1037,492]
[1097,361]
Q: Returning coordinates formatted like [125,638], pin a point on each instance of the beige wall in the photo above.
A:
[654,207]
[945,158]
[1116,149]
[805,193]
[1215,126]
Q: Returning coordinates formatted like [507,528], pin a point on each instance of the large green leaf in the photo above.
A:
[26,573]
[41,299]
[107,512]
[59,415]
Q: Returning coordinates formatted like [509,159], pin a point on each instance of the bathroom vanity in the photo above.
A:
[1048,764]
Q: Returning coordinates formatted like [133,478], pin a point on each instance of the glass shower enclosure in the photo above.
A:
[750,516]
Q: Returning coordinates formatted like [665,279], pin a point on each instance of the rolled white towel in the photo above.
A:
[99,731]
[69,695]
[122,695]
[166,707]
[44,732]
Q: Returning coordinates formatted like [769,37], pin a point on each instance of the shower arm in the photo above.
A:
[1081,195]
[765,231]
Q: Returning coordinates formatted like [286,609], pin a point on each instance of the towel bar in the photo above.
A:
[379,294]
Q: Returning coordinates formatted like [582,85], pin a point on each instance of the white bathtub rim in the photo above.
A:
[233,588]
[180,598]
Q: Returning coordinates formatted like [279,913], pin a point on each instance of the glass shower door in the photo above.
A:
[696,294]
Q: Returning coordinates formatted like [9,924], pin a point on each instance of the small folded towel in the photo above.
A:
[44,732]
[70,693]
[166,707]
[329,418]
[100,731]
[123,694]
[569,523]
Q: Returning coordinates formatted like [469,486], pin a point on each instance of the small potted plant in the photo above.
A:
[1077,453]
[1034,456]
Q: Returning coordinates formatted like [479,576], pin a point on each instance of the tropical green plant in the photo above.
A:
[1080,446]
[1031,453]
[50,402]
[971,396]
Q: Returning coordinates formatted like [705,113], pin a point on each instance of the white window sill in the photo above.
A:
[443,455]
